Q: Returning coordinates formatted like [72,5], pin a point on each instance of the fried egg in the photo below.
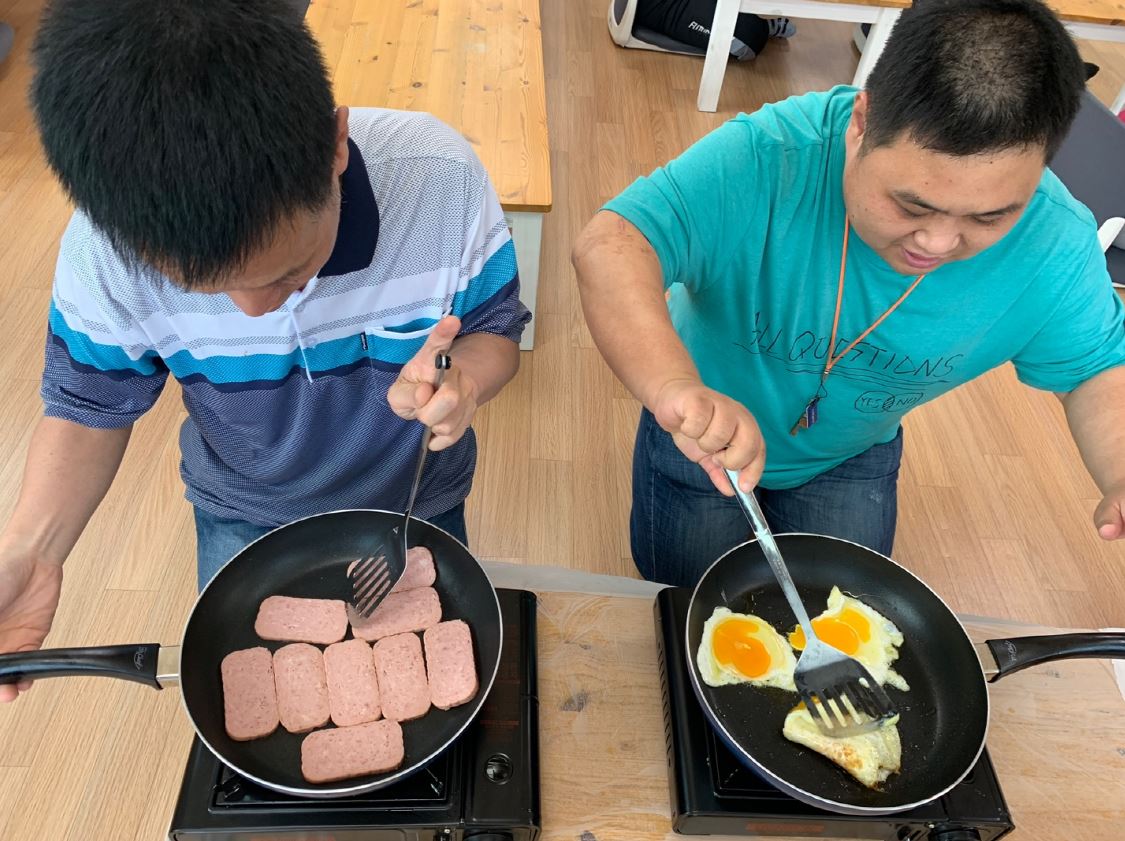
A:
[869,757]
[860,632]
[741,648]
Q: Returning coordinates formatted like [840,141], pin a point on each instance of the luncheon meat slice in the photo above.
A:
[403,689]
[249,699]
[320,621]
[450,666]
[401,613]
[353,690]
[302,691]
[341,752]
[420,570]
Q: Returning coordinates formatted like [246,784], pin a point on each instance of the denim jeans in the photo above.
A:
[680,524]
[218,539]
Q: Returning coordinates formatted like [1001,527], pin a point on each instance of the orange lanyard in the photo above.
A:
[809,415]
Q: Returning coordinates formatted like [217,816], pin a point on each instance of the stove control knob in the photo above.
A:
[499,770]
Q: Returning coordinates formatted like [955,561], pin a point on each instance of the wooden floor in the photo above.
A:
[995,503]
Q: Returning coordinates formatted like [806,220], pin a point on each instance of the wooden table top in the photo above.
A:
[1106,12]
[475,64]
[1057,734]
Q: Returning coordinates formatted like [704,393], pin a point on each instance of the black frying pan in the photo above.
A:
[307,558]
[944,716]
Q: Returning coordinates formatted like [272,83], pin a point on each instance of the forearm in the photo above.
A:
[622,289]
[488,361]
[69,468]
[1095,412]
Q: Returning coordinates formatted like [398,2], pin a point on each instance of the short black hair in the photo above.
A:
[969,76]
[189,131]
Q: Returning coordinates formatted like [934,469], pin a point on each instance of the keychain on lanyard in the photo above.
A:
[810,415]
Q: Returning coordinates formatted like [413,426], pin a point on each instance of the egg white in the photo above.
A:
[881,650]
[782,661]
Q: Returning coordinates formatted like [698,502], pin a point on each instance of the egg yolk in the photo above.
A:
[845,632]
[734,644]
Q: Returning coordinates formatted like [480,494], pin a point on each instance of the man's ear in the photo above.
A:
[340,161]
[858,123]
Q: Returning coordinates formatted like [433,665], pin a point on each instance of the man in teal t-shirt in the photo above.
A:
[781,294]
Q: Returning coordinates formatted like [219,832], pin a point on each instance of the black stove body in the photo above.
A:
[485,787]
[714,793]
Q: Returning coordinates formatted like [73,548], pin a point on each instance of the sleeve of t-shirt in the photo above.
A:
[1083,337]
[694,208]
[99,371]
[489,296]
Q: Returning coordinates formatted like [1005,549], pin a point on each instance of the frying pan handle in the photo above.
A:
[129,662]
[1020,652]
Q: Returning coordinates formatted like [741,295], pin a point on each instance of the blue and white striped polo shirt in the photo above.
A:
[287,412]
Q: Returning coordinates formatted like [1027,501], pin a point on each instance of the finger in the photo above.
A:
[1109,518]
[718,475]
[744,447]
[8,693]
[719,431]
[751,474]
[24,685]
[696,417]
[441,404]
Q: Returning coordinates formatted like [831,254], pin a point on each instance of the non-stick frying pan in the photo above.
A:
[944,716]
[307,558]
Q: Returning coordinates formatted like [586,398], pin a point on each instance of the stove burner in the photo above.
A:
[485,786]
[713,793]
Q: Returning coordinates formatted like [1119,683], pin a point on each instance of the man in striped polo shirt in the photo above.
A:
[295,266]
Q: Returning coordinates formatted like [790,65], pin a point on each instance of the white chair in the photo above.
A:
[882,21]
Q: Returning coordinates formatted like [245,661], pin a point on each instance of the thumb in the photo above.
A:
[1109,518]
[443,334]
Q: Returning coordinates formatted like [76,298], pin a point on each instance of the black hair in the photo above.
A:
[969,76]
[189,131]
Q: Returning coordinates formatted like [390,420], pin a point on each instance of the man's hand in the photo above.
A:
[712,430]
[1109,517]
[29,595]
[449,410]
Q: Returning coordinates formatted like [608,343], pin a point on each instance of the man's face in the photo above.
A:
[298,251]
[919,209]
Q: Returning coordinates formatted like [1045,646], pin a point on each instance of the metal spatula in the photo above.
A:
[841,695]
[376,575]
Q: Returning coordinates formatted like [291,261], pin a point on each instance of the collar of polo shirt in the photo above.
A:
[358,231]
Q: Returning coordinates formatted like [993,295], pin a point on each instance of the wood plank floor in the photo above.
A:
[994,515]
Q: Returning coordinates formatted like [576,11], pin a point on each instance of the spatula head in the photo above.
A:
[841,695]
[376,575]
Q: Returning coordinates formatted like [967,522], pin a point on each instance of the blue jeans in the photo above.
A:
[680,524]
[218,539]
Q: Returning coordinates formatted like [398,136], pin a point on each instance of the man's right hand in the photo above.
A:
[712,430]
[29,596]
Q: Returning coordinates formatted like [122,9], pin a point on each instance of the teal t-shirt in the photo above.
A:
[748,225]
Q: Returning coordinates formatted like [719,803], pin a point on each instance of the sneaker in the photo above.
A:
[859,35]
[782,28]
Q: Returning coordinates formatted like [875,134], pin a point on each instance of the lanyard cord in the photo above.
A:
[831,361]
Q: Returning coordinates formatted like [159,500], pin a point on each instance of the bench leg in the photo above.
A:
[876,40]
[718,50]
[527,236]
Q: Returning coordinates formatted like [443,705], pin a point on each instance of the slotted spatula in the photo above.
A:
[840,694]
[377,574]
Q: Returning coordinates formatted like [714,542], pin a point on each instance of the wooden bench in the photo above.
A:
[1097,20]
[475,65]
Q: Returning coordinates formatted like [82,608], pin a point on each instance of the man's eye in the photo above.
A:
[911,213]
[987,221]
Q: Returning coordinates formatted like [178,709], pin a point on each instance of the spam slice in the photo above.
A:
[302,691]
[353,690]
[420,570]
[401,613]
[287,619]
[403,688]
[249,698]
[342,752]
[450,666]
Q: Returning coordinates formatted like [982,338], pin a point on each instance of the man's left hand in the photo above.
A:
[449,410]
[1109,517]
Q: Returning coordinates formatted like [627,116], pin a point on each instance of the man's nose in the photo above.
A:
[938,239]
[256,302]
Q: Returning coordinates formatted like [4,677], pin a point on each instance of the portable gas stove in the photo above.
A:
[713,793]
[485,787]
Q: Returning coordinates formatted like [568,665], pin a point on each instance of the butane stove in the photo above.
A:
[485,787]
[713,793]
